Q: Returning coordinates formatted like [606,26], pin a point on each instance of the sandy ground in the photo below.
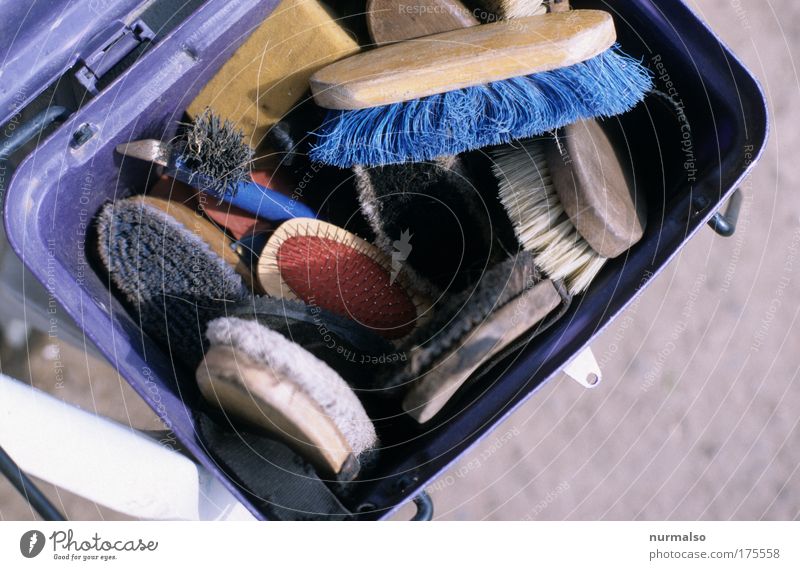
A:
[711,432]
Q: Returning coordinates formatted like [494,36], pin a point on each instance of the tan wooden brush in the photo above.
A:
[462,58]
[217,240]
[268,75]
[492,335]
[326,266]
[570,201]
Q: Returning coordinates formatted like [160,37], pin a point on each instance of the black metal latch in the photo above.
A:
[108,48]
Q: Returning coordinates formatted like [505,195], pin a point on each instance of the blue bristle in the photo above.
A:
[475,117]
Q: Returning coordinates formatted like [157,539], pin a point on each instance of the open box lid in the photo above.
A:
[45,39]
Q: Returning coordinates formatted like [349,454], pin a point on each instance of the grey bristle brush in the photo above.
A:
[352,350]
[570,202]
[470,88]
[257,376]
[169,275]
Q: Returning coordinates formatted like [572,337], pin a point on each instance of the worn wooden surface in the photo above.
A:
[431,392]
[253,394]
[594,189]
[392,21]
[463,58]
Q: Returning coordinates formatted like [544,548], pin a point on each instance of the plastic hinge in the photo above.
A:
[108,48]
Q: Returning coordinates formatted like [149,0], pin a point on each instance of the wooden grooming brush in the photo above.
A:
[217,240]
[473,328]
[504,9]
[569,200]
[268,75]
[257,376]
[326,266]
[464,89]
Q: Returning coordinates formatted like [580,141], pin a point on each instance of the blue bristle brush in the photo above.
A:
[480,86]
[213,157]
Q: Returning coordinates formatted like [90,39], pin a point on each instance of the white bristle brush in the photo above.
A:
[569,201]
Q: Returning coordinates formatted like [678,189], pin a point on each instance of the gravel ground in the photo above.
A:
[698,415]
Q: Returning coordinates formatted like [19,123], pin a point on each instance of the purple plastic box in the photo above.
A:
[60,186]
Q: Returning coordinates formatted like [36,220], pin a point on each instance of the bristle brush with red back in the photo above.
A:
[326,266]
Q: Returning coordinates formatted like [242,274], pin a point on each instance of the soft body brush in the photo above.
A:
[475,87]
[472,329]
[259,377]
[570,201]
[167,273]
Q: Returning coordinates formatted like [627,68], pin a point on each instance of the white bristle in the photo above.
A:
[540,222]
[515,8]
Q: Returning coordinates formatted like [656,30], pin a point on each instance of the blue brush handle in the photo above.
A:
[266,203]
[249,196]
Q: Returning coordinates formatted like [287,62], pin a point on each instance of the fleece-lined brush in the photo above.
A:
[570,202]
[257,376]
[328,267]
[166,273]
[471,88]
[352,350]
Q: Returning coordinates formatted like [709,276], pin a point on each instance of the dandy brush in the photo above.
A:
[212,156]
[470,88]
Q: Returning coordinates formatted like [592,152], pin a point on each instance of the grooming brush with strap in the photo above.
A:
[392,242]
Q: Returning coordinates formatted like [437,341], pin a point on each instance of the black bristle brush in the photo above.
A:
[418,211]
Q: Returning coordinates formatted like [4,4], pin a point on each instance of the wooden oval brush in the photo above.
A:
[219,243]
[569,201]
[463,58]
[166,273]
[473,328]
[257,376]
[470,88]
[326,266]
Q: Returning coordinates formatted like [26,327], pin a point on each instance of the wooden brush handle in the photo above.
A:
[431,392]
[463,58]
[252,393]
[392,21]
